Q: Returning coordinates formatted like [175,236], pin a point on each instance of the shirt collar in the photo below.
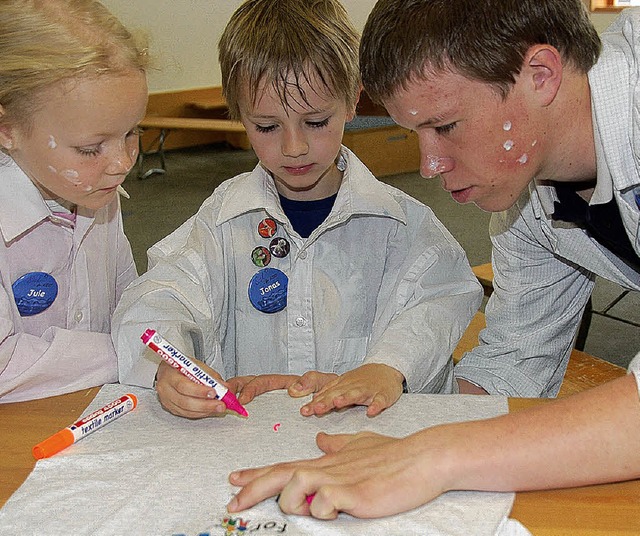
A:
[21,204]
[612,82]
[360,193]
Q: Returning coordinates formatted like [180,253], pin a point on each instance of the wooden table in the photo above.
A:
[588,511]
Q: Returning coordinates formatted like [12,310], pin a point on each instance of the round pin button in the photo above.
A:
[268,290]
[279,247]
[261,256]
[34,292]
[267,228]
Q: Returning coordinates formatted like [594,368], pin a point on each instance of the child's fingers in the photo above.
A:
[263,384]
[379,403]
[193,408]
[311,382]
[237,383]
[185,398]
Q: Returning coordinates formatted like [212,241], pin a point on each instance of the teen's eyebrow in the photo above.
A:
[432,121]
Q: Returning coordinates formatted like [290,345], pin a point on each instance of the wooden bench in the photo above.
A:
[583,371]
[484,273]
[166,124]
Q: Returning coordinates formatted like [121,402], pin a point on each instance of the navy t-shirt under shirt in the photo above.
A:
[602,222]
[305,216]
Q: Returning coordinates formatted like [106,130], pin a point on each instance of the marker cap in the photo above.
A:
[146,336]
[54,444]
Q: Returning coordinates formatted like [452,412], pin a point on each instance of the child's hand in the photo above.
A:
[375,385]
[248,387]
[182,397]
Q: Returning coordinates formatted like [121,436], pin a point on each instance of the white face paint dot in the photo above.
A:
[52,169]
[533,144]
[69,174]
[413,112]
[506,126]
[523,159]
[72,176]
[508,145]
[433,165]
[52,143]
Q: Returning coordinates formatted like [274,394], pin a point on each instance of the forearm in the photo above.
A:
[589,438]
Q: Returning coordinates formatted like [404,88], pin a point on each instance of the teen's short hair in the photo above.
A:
[484,40]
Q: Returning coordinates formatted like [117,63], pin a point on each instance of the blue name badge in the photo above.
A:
[268,290]
[34,292]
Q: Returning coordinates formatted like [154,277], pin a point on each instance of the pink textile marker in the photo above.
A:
[188,368]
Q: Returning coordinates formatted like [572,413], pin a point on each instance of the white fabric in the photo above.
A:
[544,270]
[68,346]
[379,281]
[634,368]
[511,527]
[151,473]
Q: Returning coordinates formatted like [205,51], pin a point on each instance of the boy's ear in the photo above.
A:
[352,112]
[542,72]
[6,140]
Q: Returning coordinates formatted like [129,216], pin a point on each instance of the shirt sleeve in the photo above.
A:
[172,297]
[532,316]
[60,361]
[126,270]
[431,306]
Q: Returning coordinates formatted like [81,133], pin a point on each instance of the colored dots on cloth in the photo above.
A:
[279,247]
[276,427]
[267,228]
[261,256]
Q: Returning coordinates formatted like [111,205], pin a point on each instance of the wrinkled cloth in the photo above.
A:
[68,346]
[379,281]
[544,270]
[634,368]
[152,473]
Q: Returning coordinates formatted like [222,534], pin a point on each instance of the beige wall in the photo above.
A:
[183,35]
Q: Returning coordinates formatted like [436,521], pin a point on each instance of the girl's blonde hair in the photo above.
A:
[43,42]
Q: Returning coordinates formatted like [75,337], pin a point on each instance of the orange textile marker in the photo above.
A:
[79,429]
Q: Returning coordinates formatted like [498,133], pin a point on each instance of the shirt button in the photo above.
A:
[300,322]
[78,316]
[303,254]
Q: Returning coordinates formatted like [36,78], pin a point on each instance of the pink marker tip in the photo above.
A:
[232,403]
[309,498]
